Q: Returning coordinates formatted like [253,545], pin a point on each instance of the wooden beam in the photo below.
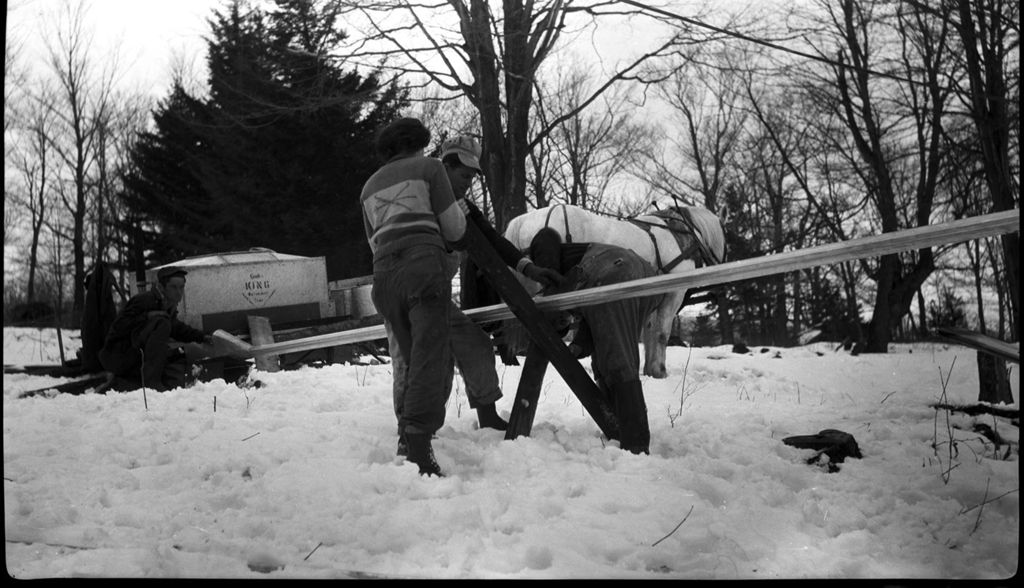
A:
[735,271]
[260,333]
[543,338]
[520,422]
[980,342]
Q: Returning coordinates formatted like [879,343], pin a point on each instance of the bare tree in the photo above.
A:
[14,79]
[115,130]
[706,100]
[589,151]
[989,31]
[35,170]
[895,123]
[84,106]
[493,59]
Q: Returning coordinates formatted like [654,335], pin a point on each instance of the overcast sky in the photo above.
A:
[148,34]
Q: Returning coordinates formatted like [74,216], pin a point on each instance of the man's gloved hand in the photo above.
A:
[463,206]
[545,276]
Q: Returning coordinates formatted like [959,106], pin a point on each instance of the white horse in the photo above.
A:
[672,240]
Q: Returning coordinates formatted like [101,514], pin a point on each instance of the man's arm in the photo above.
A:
[508,252]
[186,334]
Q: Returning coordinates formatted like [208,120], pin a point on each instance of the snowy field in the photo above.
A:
[298,478]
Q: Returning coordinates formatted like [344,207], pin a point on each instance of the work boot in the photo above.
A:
[422,454]
[176,370]
[488,417]
[631,410]
[403,447]
[154,354]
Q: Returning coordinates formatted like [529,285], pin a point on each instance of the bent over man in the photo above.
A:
[610,331]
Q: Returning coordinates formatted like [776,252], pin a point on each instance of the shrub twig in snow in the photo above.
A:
[684,392]
[951,449]
[311,552]
[676,529]
[981,506]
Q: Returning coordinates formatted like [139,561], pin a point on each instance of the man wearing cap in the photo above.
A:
[137,351]
[472,349]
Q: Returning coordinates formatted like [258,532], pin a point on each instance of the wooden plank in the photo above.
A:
[80,386]
[339,324]
[542,334]
[226,344]
[954,232]
[339,285]
[260,333]
[991,345]
[520,422]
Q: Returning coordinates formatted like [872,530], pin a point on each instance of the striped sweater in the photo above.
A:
[409,201]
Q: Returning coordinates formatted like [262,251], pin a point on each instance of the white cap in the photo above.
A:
[466,148]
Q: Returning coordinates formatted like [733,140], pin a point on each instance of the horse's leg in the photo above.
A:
[650,338]
[657,333]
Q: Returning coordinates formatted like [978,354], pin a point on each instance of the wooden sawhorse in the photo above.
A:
[545,346]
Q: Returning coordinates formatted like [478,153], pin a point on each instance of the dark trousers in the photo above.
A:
[615,326]
[147,359]
[411,290]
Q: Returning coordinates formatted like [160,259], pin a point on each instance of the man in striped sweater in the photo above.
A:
[410,217]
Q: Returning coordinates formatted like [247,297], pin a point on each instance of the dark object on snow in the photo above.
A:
[98,384]
[740,348]
[837,445]
[976,409]
[98,315]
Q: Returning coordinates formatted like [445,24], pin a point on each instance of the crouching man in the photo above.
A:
[137,349]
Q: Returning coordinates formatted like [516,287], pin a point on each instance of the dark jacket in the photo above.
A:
[508,252]
[475,290]
[135,316]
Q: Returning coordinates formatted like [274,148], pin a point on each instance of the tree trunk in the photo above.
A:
[780,333]
[993,380]
[922,313]
[880,327]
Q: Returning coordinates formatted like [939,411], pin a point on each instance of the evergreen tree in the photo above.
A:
[170,209]
[278,153]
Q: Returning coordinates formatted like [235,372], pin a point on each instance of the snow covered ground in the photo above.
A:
[298,478]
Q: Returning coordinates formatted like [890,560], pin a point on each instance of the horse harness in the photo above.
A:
[565,220]
[684,225]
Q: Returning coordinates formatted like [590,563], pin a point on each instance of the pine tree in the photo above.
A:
[278,153]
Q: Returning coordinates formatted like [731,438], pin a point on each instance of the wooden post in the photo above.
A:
[542,333]
[260,333]
[520,423]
